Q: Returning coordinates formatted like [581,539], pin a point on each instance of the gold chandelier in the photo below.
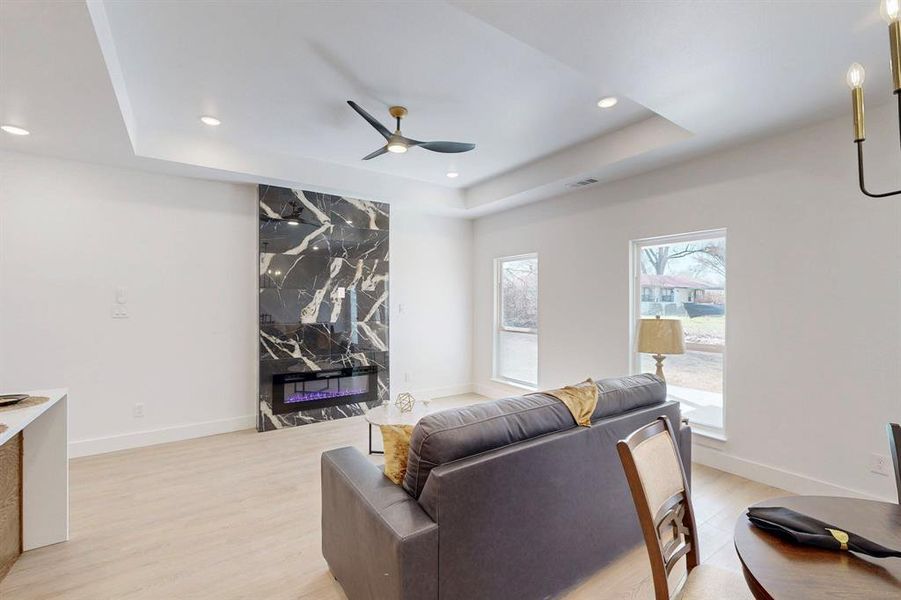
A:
[891,13]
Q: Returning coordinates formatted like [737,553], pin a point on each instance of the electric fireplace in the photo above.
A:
[292,392]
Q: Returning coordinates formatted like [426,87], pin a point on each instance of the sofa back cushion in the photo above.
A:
[457,433]
[622,394]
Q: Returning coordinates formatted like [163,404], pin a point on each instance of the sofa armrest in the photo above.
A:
[377,540]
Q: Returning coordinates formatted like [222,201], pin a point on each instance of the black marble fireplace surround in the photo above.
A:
[323,306]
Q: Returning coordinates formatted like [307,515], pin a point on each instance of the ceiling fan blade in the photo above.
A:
[446,146]
[378,152]
[370,119]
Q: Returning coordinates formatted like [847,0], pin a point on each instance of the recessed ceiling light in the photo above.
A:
[211,121]
[453,174]
[14,130]
[608,102]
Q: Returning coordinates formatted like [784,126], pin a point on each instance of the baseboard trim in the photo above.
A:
[177,433]
[163,435]
[776,477]
[441,392]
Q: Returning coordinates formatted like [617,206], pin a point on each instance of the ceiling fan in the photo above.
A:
[398,143]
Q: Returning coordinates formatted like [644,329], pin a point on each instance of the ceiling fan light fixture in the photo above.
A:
[397,146]
[397,143]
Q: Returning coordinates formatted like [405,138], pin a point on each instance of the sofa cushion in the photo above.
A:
[457,433]
[396,442]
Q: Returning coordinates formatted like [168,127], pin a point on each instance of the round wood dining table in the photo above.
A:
[778,569]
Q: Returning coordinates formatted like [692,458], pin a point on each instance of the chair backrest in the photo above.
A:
[894,442]
[662,499]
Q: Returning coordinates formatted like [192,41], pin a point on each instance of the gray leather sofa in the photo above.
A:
[504,499]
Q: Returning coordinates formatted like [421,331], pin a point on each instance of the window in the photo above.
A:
[684,277]
[516,318]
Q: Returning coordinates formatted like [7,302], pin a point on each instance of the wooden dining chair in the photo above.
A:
[894,442]
[662,499]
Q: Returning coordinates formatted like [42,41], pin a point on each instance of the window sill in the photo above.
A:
[706,433]
[520,386]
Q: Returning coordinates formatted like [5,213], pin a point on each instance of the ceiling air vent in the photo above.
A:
[582,183]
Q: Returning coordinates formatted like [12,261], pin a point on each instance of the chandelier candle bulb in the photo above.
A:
[890,10]
[855,79]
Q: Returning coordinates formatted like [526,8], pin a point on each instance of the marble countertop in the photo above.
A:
[18,419]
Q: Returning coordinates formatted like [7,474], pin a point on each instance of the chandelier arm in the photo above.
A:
[863,187]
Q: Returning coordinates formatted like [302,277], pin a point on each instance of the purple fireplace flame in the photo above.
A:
[321,395]
[310,390]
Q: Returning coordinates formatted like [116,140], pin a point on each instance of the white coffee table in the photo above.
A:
[388,414]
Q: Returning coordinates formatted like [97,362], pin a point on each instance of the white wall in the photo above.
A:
[431,304]
[814,328]
[186,252]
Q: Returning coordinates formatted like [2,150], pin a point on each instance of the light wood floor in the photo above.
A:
[236,516]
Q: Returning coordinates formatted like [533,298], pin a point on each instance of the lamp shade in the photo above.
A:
[660,336]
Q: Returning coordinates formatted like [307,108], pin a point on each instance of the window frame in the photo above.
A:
[499,327]
[636,247]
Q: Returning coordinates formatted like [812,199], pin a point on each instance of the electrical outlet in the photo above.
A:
[119,311]
[138,410]
[879,464]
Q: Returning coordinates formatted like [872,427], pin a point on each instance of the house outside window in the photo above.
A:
[516,320]
[684,277]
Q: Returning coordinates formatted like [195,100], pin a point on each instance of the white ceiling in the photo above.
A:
[125,83]
[278,75]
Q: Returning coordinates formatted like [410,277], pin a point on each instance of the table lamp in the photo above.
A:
[659,337]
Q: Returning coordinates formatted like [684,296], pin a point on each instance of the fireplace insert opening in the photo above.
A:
[292,392]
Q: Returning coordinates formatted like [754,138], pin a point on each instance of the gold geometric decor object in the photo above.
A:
[404,402]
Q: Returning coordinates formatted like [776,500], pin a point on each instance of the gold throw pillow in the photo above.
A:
[396,440]
[581,400]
